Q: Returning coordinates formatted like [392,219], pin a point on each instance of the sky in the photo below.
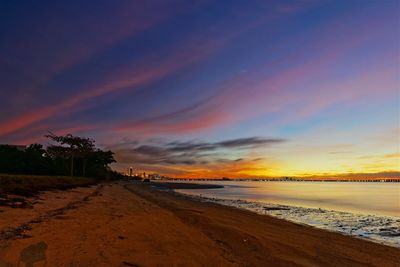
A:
[201,88]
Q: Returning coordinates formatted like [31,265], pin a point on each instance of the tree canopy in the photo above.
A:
[66,155]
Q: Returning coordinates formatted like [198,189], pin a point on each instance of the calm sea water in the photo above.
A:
[366,198]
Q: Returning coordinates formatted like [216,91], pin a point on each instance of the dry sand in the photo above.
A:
[134,225]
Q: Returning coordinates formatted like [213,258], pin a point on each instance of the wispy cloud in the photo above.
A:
[199,70]
[189,153]
[195,49]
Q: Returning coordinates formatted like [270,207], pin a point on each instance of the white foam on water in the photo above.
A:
[380,229]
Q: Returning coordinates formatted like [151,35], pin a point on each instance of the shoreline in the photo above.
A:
[279,210]
[378,228]
[133,224]
[383,230]
[306,227]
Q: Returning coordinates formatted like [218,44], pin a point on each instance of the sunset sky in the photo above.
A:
[208,88]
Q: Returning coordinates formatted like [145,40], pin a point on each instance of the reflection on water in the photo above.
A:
[368,198]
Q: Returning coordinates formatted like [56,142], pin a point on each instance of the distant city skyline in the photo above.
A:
[208,88]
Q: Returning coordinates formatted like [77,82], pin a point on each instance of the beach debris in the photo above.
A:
[275,208]
[127,263]
[14,202]
[12,233]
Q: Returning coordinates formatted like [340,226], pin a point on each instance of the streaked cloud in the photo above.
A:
[322,74]
[188,153]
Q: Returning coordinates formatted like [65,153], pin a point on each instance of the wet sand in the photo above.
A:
[135,225]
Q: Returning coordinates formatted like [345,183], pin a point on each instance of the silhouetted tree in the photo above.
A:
[99,161]
[71,154]
[36,161]
[93,161]
[85,149]
[59,155]
[72,147]
[11,159]
[32,160]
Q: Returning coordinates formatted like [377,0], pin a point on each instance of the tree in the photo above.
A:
[35,160]
[93,161]
[84,150]
[25,160]
[11,159]
[99,161]
[68,155]
[72,147]
[59,155]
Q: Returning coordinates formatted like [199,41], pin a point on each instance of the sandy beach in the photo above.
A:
[124,224]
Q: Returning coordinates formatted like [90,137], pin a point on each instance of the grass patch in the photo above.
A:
[28,185]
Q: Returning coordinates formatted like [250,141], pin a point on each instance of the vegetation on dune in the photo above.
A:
[27,185]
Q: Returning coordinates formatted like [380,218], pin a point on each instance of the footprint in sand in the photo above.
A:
[35,253]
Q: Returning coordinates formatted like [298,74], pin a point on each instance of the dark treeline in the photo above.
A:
[68,155]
